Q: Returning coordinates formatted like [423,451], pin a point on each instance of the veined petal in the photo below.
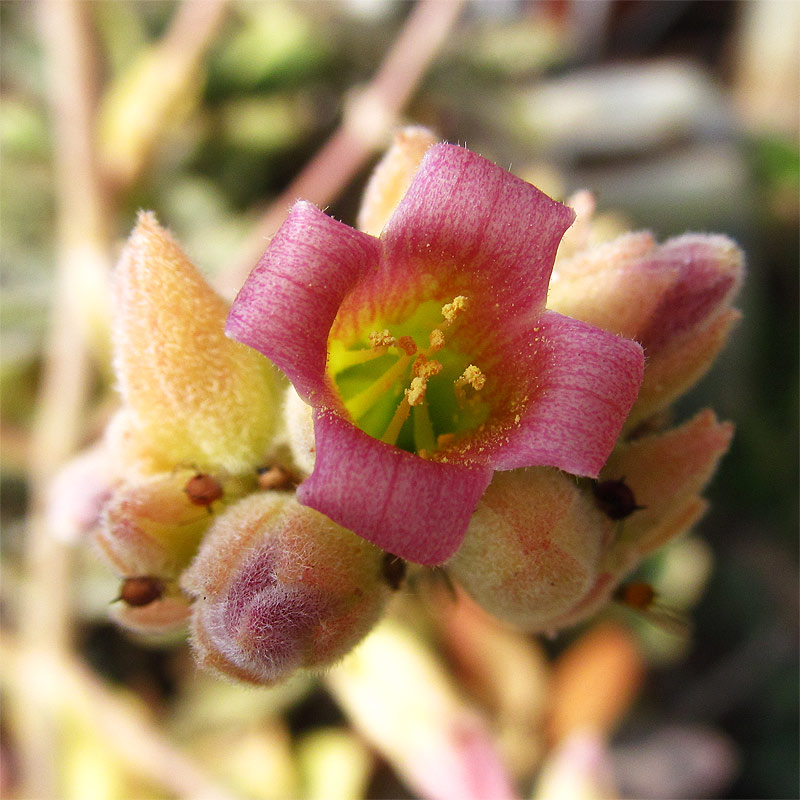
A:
[466,226]
[584,383]
[287,305]
[413,508]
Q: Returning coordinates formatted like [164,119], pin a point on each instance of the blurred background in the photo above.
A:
[678,115]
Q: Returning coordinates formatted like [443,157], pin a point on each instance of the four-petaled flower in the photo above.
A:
[428,355]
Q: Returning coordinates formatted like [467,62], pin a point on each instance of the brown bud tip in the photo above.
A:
[141,590]
[274,477]
[615,499]
[394,570]
[203,490]
[637,595]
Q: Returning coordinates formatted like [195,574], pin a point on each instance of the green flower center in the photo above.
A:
[407,383]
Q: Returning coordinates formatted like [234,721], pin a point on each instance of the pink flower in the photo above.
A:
[428,354]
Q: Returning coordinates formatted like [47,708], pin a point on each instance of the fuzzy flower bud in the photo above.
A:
[543,551]
[392,177]
[152,526]
[278,587]
[532,548]
[194,396]
[674,299]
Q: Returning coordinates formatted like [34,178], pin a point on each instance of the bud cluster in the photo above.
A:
[191,496]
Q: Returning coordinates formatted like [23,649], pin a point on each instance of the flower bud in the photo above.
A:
[153,525]
[666,472]
[392,177]
[78,494]
[162,616]
[278,587]
[544,552]
[532,548]
[673,298]
[193,395]
[298,418]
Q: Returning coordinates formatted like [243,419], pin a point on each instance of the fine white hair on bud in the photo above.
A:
[279,587]
[533,549]
[299,421]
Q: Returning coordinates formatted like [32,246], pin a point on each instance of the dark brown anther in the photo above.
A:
[274,477]
[615,499]
[203,490]
[394,570]
[141,590]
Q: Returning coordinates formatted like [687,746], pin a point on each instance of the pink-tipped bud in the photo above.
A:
[278,587]
[78,494]
[673,298]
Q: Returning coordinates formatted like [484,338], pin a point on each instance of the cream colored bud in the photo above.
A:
[193,395]
[533,547]
[392,177]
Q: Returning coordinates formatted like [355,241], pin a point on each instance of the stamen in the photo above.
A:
[471,376]
[416,393]
[351,358]
[451,311]
[382,339]
[436,340]
[423,368]
[424,437]
[398,420]
[407,345]
[359,404]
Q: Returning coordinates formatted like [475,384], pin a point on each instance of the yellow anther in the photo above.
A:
[423,368]
[474,377]
[471,376]
[436,340]
[416,393]
[382,339]
[450,311]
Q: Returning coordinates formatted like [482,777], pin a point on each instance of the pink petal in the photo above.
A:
[583,382]
[411,507]
[466,226]
[287,305]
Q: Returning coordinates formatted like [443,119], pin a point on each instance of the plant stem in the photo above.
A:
[57,685]
[81,270]
[368,117]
